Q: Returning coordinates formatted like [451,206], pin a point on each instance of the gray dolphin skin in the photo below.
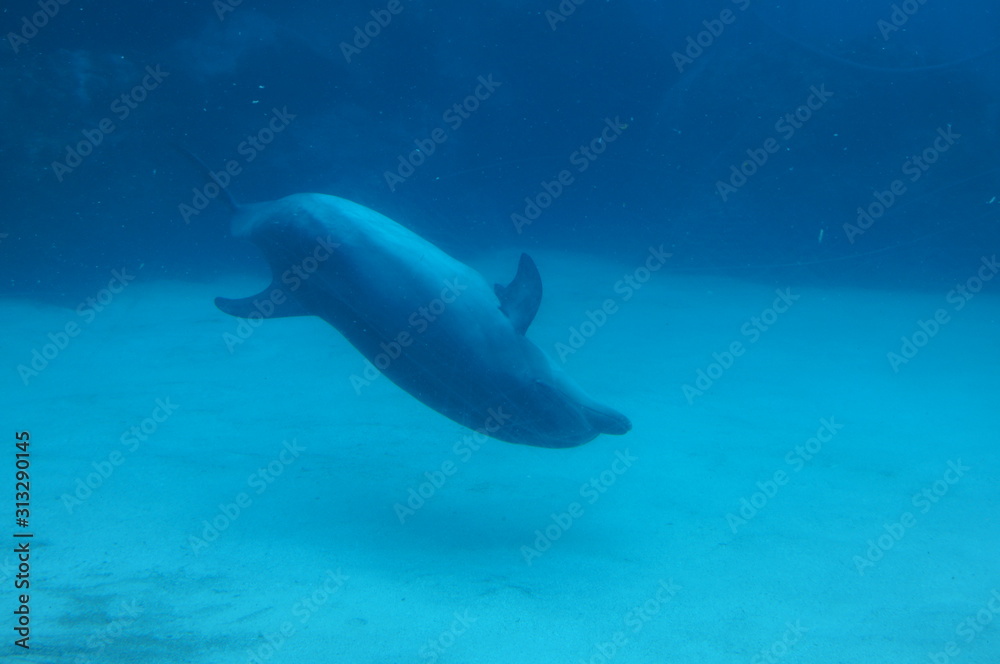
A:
[431,324]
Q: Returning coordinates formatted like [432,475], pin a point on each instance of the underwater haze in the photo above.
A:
[635,332]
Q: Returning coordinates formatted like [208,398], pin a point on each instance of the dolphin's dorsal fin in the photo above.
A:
[520,298]
[262,305]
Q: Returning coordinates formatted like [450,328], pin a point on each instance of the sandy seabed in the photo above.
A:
[793,497]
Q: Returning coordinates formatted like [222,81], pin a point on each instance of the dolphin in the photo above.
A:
[428,322]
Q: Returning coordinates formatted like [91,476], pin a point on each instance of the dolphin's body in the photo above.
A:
[428,322]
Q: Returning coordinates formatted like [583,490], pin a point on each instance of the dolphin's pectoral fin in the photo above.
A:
[520,298]
[263,305]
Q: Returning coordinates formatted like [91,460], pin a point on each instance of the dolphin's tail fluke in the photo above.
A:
[233,205]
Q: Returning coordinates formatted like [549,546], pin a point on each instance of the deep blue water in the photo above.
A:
[559,79]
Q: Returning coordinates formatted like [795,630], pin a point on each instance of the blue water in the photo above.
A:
[844,154]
